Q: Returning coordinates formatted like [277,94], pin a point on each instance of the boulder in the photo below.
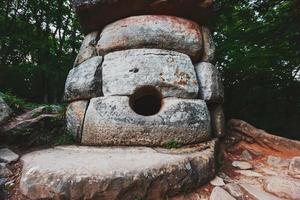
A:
[170,72]
[208,46]
[152,31]
[5,111]
[94,15]
[211,88]
[8,156]
[283,187]
[88,48]
[110,173]
[113,121]
[217,120]
[84,81]
[74,117]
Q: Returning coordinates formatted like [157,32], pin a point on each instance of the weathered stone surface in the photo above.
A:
[234,190]
[246,155]
[5,111]
[249,173]
[208,45]
[277,161]
[88,48]
[74,117]
[217,120]
[258,193]
[211,88]
[8,156]
[284,187]
[242,165]
[295,165]
[171,72]
[4,171]
[152,31]
[111,121]
[110,173]
[84,81]
[219,193]
[217,181]
[94,15]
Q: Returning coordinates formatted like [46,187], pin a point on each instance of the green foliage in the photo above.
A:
[65,138]
[17,104]
[173,144]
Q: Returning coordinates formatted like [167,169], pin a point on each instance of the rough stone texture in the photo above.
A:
[217,181]
[8,156]
[283,187]
[277,161]
[5,111]
[295,164]
[219,193]
[88,48]
[111,121]
[208,45]
[242,165]
[246,155]
[249,173]
[4,171]
[234,190]
[110,173]
[217,120]
[211,88]
[258,193]
[74,117]
[94,15]
[84,81]
[171,72]
[152,31]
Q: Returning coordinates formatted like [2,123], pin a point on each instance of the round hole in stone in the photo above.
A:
[146,101]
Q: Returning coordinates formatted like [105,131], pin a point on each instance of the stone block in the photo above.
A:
[208,45]
[119,120]
[210,84]
[84,81]
[170,72]
[74,117]
[88,48]
[217,120]
[153,31]
[111,173]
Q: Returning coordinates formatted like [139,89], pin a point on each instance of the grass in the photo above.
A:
[173,144]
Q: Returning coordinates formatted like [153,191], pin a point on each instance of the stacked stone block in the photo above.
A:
[166,59]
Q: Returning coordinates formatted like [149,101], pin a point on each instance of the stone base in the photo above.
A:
[73,172]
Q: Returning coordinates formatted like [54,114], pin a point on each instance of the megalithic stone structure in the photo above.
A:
[142,83]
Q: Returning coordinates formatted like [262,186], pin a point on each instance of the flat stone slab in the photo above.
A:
[84,81]
[8,156]
[111,121]
[152,31]
[170,72]
[94,15]
[108,173]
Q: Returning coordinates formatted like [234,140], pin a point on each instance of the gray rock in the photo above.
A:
[234,190]
[4,171]
[249,173]
[210,85]
[283,187]
[277,161]
[171,72]
[225,177]
[5,111]
[258,193]
[74,117]
[84,81]
[8,156]
[88,48]
[208,45]
[295,165]
[217,181]
[152,31]
[111,121]
[217,120]
[108,173]
[242,165]
[246,155]
[220,194]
